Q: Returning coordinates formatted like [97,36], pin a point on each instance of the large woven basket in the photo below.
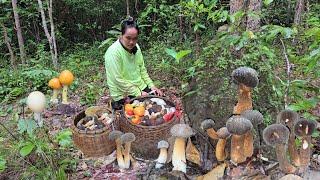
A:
[92,143]
[147,137]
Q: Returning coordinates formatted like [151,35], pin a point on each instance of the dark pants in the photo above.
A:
[117,105]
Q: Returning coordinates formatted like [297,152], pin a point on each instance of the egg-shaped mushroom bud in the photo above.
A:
[304,129]
[181,132]
[116,136]
[223,135]
[238,127]
[66,78]
[36,101]
[256,118]
[163,155]
[246,78]
[55,84]
[277,135]
[127,139]
[207,125]
[288,118]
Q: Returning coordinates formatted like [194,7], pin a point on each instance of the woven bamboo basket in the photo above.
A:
[147,137]
[93,143]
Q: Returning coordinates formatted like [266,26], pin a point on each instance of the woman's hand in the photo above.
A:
[157,91]
[143,93]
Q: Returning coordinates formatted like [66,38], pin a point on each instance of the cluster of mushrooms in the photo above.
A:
[149,112]
[64,80]
[95,120]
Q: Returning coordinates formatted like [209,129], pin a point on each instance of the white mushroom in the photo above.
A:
[36,101]
[163,146]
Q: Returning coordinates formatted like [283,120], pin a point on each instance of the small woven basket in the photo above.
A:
[147,137]
[93,143]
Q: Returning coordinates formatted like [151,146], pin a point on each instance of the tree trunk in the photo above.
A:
[45,28]
[128,10]
[7,40]
[53,36]
[253,19]
[236,5]
[19,32]
[300,6]
[198,41]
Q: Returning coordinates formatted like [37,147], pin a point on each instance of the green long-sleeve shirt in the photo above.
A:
[126,72]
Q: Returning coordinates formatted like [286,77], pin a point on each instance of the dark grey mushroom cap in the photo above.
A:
[181,130]
[115,135]
[238,125]
[276,134]
[246,76]
[304,127]
[254,116]
[128,137]
[287,117]
[163,144]
[207,124]
[223,133]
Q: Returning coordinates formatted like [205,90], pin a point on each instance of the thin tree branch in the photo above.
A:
[288,66]
[8,131]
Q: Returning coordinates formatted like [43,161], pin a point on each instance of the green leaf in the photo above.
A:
[267,2]
[182,54]
[64,138]
[27,125]
[2,164]
[171,52]
[26,149]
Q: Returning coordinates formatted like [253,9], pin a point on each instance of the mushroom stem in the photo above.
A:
[212,133]
[126,154]
[179,155]
[162,158]
[292,148]
[284,164]
[221,154]
[244,99]
[237,149]
[305,151]
[65,95]
[38,119]
[54,98]
[120,160]
[248,143]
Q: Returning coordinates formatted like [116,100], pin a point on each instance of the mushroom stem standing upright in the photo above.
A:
[180,132]
[115,136]
[127,139]
[66,78]
[163,155]
[55,84]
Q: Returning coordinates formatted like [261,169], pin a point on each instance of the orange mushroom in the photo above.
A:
[66,78]
[55,84]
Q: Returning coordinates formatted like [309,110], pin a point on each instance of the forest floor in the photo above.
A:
[106,168]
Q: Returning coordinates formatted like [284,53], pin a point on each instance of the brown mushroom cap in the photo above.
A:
[254,116]
[287,116]
[223,133]
[163,144]
[115,135]
[181,130]
[276,134]
[304,127]
[207,124]
[128,137]
[246,76]
[238,125]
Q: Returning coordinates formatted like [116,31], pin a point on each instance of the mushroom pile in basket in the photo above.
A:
[149,112]
[95,121]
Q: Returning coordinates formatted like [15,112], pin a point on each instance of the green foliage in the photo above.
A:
[64,138]
[3,163]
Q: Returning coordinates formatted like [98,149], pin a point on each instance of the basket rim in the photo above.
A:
[150,127]
[89,132]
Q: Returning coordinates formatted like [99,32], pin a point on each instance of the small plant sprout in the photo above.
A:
[181,132]
[304,129]
[238,127]
[246,78]
[36,101]
[163,155]
[289,118]
[66,79]
[55,84]
[277,135]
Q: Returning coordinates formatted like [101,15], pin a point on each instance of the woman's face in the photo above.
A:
[129,38]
